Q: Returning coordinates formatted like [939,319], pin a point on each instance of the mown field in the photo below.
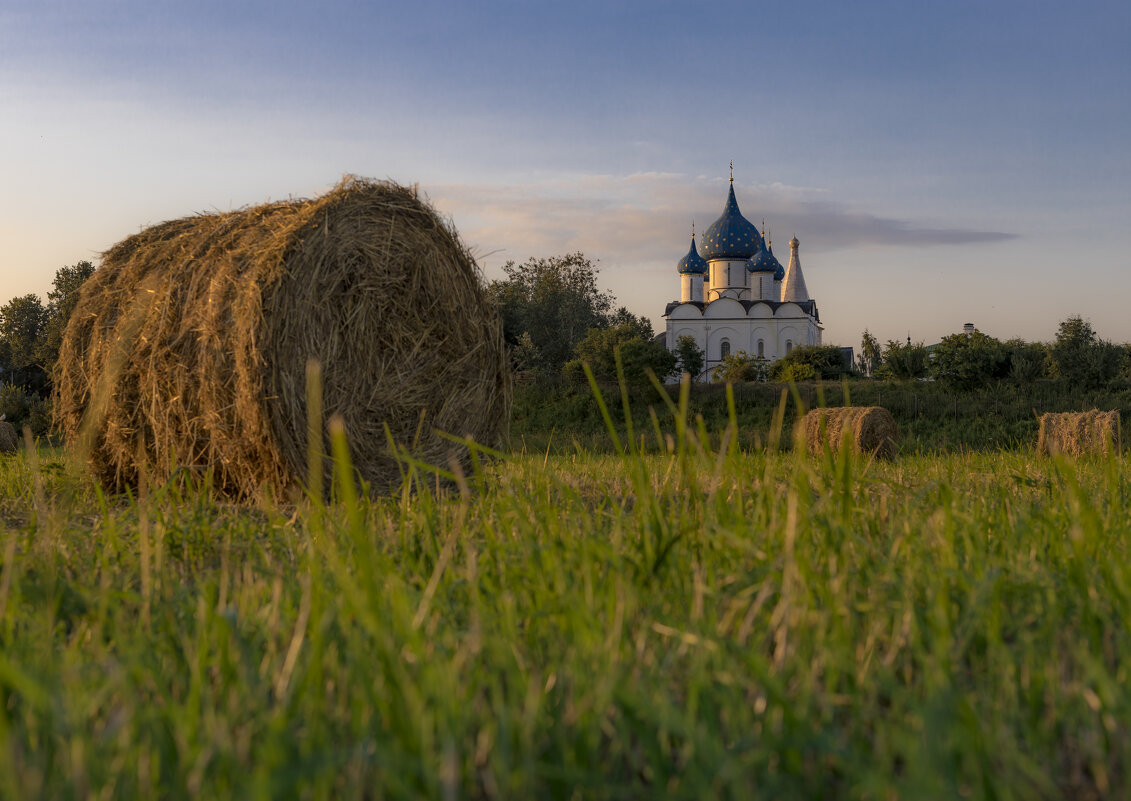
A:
[701,620]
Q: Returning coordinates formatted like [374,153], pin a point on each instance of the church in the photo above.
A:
[736,296]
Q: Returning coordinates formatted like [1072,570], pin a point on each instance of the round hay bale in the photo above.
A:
[192,339]
[1078,433]
[870,429]
[9,439]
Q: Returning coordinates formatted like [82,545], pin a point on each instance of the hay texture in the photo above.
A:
[1078,433]
[189,345]
[9,439]
[870,430]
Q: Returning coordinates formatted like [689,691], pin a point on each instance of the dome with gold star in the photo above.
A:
[692,263]
[732,236]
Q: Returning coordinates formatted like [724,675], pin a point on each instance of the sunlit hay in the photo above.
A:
[9,439]
[1077,433]
[367,280]
[870,430]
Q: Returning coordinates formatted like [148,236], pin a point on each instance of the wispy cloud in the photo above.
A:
[645,218]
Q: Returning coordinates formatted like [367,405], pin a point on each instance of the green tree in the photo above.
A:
[640,326]
[22,321]
[555,301]
[638,354]
[969,361]
[1028,361]
[809,362]
[1081,357]
[690,356]
[871,355]
[61,302]
[740,366]
[902,361]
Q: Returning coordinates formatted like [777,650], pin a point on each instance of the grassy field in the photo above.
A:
[703,622]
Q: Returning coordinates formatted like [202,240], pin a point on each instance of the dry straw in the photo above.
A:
[1077,433]
[869,429]
[9,439]
[193,339]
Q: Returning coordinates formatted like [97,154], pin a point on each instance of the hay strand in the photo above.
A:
[1078,433]
[870,430]
[215,318]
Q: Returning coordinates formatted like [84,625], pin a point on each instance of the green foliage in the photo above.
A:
[638,354]
[903,361]
[809,362]
[969,361]
[554,301]
[39,418]
[14,404]
[871,356]
[628,626]
[689,356]
[61,302]
[1080,357]
[1028,361]
[525,354]
[22,321]
[739,366]
[794,372]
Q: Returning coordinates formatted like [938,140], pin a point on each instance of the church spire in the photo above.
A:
[793,285]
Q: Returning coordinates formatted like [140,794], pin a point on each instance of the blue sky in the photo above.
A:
[939,162]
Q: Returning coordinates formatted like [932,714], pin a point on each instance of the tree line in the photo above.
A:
[556,319]
[31,333]
[975,360]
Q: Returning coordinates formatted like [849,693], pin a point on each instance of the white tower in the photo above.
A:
[793,286]
[727,246]
[692,268]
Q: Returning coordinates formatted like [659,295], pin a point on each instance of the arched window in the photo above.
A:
[724,349]
[761,348]
[788,345]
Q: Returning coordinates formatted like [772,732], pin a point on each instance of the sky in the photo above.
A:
[940,163]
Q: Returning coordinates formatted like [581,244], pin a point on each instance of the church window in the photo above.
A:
[761,348]
[724,349]
[788,345]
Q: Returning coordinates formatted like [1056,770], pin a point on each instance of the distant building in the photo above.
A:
[736,296]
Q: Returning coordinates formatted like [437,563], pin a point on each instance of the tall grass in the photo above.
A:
[706,621]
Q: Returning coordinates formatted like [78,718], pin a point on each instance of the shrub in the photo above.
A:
[809,362]
[739,367]
[13,404]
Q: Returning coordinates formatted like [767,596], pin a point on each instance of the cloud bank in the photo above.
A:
[645,218]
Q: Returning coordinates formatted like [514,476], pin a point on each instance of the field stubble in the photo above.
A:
[706,622]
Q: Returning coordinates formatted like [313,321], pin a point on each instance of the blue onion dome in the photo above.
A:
[732,236]
[762,261]
[779,271]
[692,263]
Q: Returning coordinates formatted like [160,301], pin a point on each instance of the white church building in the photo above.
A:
[736,296]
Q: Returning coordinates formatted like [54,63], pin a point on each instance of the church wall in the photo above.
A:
[690,288]
[733,285]
[726,319]
[698,334]
[790,334]
[763,334]
[762,286]
[715,342]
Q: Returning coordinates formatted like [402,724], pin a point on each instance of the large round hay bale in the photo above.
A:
[1077,433]
[9,439]
[870,429]
[192,339]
